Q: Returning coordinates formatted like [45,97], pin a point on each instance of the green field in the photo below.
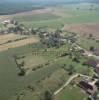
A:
[87,43]
[9,71]
[11,84]
[35,17]
[71,93]
[59,76]
[60,15]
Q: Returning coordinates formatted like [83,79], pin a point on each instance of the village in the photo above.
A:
[88,83]
[49,50]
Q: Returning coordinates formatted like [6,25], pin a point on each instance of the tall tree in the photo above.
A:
[48,95]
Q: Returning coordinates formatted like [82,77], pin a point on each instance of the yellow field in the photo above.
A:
[10,37]
[14,44]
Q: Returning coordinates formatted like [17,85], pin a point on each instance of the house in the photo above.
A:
[87,53]
[6,21]
[92,63]
[96,53]
[88,88]
[97,69]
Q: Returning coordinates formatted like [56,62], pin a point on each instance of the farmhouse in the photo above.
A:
[92,63]
[88,88]
[6,22]
[97,69]
[96,53]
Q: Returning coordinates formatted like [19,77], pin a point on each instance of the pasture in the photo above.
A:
[35,17]
[33,62]
[15,83]
[87,43]
[71,93]
[11,83]
[59,76]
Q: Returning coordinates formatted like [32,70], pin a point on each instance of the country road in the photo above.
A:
[78,74]
[90,53]
[69,80]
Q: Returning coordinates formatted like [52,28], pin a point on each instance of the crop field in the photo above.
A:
[36,17]
[10,37]
[84,29]
[12,44]
[51,67]
[60,15]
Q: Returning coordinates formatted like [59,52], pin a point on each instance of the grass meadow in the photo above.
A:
[71,93]
[11,83]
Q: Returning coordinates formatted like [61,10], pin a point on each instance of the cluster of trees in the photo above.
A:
[70,69]
[20,66]
[48,95]
[17,28]
[75,54]
[53,39]
[91,8]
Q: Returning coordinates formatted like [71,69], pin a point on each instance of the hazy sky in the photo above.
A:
[44,0]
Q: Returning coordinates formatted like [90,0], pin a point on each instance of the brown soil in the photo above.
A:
[18,43]
[84,29]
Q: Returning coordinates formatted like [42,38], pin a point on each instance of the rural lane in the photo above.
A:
[69,80]
[89,53]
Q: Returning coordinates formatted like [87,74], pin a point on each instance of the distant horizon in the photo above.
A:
[49,1]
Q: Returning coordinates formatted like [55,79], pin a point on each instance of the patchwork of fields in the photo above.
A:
[73,18]
[10,37]
[9,41]
[9,71]
[58,16]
